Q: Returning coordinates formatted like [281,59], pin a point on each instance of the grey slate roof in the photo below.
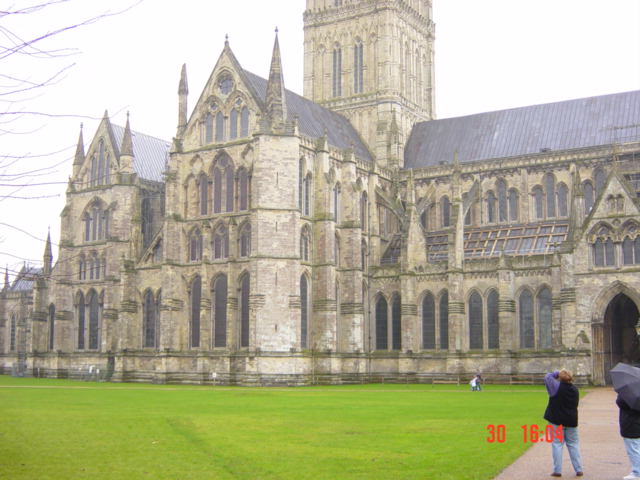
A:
[25,279]
[585,122]
[150,154]
[314,120]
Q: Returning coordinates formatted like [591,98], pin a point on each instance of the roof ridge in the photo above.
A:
[144,134]
[533,105]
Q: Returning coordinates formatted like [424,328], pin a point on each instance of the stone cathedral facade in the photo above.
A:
[343,236]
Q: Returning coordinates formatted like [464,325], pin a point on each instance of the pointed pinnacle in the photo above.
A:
[275,98]
[183,88]
[127,142]
[79,157]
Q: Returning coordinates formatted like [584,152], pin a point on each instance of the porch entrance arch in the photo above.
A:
[614,336]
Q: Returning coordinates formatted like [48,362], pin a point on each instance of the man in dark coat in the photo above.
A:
[630,431]
[562,409]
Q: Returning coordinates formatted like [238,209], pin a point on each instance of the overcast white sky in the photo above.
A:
[490,55]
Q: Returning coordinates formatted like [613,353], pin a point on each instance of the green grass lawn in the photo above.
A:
[57,429]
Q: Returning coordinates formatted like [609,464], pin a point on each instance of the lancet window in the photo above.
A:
[337,72]
[223,182]
[221,242]
[358,67]
[96,222]
[195,295]
[244,240]
[219,300]
[195,246]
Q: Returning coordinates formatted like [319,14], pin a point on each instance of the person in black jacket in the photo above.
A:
[562,409]
[630,431]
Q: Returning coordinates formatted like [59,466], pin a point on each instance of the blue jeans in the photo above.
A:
[633,451]
[570,437]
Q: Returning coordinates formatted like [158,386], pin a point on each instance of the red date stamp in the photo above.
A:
[530,433]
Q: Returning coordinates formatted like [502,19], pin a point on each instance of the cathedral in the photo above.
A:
[342,236]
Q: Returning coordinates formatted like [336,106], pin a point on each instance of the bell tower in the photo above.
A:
[372,61]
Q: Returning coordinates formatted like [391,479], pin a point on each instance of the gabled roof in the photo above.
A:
[314,121]
[585,122]
[25,279]
[150,154]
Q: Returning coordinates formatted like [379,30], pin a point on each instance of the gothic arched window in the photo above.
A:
[244,122]
[146,221]
[195,246]
[93,174]
[304,244]
[598,253]
[358,68]
[80,318]
[221,242]
[538,199]
[609,252]
[82,268]
[304,312]
[195,295]
[13,334]
[220,127]
[544,318]
[501,187]
[203,186]
[233,124]
[428,322]
[599,179]
[493,324]
[396,323]
[244,240]
[244,310]
[527,338]
[513,204]
[243,189]
[475,321]
[444,320]
[337,72]
[94,319]
[627,251]
[562,194]
[301,185]
[307,196]
[149,320]
[223,184]
[381,324]
[364,208]
[587,189]
[96,222]
[336,203]
[467,216]
[220,311]
[446,211]
[208,126]
[52,326]
[100,177]
[550,192]
[491,207]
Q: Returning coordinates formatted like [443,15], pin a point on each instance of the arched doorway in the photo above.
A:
[620,342]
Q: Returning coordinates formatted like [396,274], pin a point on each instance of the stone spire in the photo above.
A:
[126,150]
[47,258]
[276,101]
[183,92]
[79,158]
[6,277]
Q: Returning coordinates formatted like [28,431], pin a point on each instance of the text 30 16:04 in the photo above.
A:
[531,433]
